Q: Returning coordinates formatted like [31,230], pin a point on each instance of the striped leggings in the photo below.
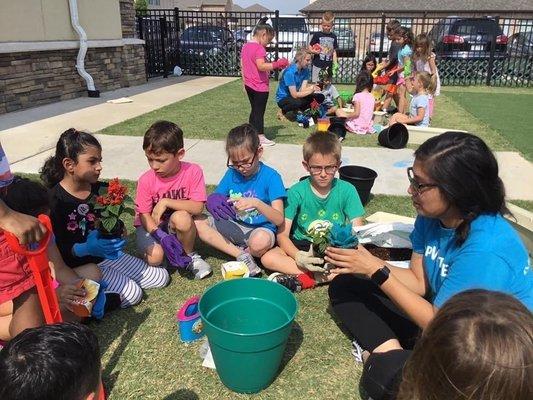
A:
[128,275]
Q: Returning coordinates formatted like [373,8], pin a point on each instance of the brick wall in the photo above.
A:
[127,14]
[29,79]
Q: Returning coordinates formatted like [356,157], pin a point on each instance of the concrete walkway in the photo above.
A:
[29,137]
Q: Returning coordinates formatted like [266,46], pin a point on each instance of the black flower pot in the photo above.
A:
[116,233]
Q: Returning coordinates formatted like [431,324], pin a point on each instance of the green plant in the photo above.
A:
[335,235]
[111,203]
[141,6]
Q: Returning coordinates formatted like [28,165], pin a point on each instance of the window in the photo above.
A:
[154,2]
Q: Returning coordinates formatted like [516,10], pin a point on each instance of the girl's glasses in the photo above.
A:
[317,170]
[244,165]
[417,186]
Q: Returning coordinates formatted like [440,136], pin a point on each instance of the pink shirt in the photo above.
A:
[187,184]
[363,123]
[253,78]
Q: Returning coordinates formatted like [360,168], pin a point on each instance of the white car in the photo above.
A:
[374,45]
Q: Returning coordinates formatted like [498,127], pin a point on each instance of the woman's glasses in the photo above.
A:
[244,165]
[418,187]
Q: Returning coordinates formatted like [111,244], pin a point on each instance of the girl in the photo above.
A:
[419,86]
[255,73]
[360,119]
[369,64]
[247,205]
[460,241]
[405,39]
[424,60]
[72,177]
[480,352]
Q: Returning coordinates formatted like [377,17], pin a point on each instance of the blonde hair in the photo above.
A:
[301,53]
[322,143]
[478,346]
[328,17]
[425,43]
[429,82]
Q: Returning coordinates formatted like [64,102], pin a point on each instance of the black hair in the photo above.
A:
[163,137]
[363,81]
[263,26]
[466,171]
[369,57]
[71,144]
[407,34]
[27,197]
[51,362]
[243,135]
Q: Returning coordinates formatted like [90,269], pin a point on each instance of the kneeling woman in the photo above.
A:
[460,241]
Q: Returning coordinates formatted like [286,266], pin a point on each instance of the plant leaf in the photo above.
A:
[104,213]
[109,223]
[129,211]
[115,210]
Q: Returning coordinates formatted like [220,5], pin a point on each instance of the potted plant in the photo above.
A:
[111,203]
[334,235]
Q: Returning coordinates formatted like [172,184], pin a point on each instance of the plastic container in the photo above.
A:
[361,177]
[189,322]
[395,136]
[234,270]
[247,322]
[322,124]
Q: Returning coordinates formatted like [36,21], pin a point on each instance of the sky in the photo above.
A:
[284,6]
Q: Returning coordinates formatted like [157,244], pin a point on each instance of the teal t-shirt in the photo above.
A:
[307,211]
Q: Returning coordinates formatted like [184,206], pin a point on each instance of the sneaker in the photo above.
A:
[198,266]
[250,263]
[291,116]
[291,282]
[357,352]
[264,141]
[113,300]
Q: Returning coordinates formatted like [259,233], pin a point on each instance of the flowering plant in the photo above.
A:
[111,203]
[334,235]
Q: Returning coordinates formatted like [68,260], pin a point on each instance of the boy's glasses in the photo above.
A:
[244,165]
[417,186]
[317,170]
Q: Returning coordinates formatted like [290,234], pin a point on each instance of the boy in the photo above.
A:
[332,98]
[324,47]
[60,361]
[168,196]
[313,203]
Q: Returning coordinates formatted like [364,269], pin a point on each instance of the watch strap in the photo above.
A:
[380,276]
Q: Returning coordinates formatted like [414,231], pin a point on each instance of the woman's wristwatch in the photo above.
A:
[380,276]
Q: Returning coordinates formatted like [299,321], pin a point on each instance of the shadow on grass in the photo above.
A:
[271,132]
[182,394]
[294,342]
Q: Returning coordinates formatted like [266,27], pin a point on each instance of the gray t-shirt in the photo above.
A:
[331,94]
[420,100]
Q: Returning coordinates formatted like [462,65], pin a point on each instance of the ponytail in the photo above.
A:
[71,144]
[262,25]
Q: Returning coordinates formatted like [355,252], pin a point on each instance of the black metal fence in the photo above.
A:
[470,50]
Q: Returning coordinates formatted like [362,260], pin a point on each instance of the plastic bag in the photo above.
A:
[386,234]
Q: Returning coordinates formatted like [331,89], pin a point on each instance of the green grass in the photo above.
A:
[210,115]
[525,204]
[508,112]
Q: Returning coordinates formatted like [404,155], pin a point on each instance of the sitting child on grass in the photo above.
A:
[332,100]
[419,85]
[312,204]
[247,205]
[169,195]
[360,119]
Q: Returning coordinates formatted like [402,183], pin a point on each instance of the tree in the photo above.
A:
[141,6]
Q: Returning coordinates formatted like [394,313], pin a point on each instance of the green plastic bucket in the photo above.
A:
[247,322]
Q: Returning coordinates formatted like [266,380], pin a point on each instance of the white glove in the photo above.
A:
[306,259]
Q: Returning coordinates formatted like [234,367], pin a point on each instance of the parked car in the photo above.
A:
[374,45]
[468,38]
[345,42]
[521,44]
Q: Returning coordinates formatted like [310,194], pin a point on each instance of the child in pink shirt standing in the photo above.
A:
[168,196]
[360,119]
[255,71]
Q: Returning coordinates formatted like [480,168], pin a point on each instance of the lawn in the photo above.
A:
[210,115]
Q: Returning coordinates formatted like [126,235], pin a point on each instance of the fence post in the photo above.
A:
[162,32]
[492,49]
[140,27]
[382,33]
[177,24]
[276,48]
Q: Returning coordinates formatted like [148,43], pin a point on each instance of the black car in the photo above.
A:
[521,44]
[468,38]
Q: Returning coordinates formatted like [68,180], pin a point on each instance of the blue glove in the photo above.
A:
[95,246]
[172,248]
[99,303]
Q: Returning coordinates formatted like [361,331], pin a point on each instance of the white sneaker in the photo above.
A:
[357,352]
[250,263]
[264,141]
[198,266]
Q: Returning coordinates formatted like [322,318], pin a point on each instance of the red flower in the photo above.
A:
[314,105]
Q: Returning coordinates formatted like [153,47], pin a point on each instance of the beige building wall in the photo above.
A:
[49,20]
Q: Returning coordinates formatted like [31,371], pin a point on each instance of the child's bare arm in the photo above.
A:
[148,222]
[357,221]
[191,206]
[284,240]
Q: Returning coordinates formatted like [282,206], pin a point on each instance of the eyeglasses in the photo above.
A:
[418,187]
[245,165]
[317,170]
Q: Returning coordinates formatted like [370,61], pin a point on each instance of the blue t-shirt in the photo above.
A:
[266,185]
[292,76]
[492,257]
[405,51]
[420,100]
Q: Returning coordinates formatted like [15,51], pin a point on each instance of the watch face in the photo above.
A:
[381,275]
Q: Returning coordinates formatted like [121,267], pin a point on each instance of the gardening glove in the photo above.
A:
[110,249]
[335,69]
[172,248]
[407,68]
[306,259]
[99,302]
[218,206]
[280,64]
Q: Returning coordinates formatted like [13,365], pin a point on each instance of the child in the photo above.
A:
[424,60]
[360,119]
[418,85]
[332,99]
[369,64]
[405,39]
[72,178]
[168,196]
[473,352]
[255,72]
[324,47]
[312,203]
[59,361]
[247,205]
[393,29]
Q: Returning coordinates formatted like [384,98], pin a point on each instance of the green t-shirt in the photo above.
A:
[307,211]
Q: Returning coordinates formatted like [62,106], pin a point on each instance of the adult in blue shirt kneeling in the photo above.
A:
[294,92]
[460,241]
